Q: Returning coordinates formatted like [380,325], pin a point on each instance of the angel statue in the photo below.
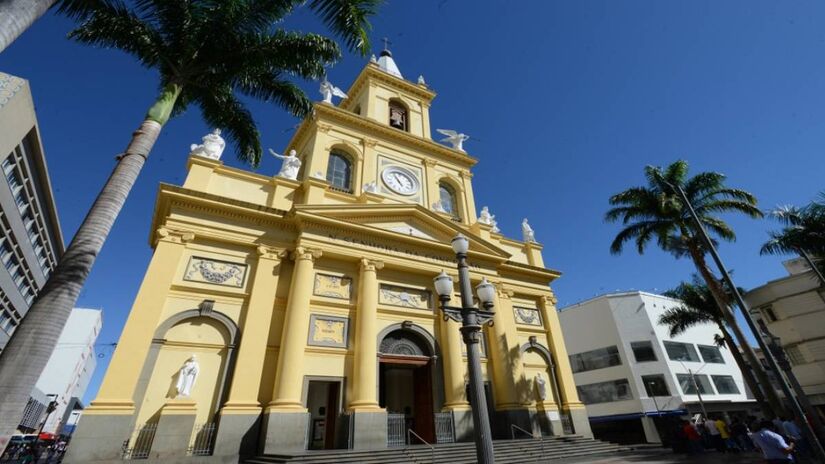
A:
[328,91]
[494,226]
[455,138]
[485,217]
[527,231]
[187,376]
[290,166]
[212,146]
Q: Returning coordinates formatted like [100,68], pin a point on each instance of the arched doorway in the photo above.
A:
[540,371]
[408,380]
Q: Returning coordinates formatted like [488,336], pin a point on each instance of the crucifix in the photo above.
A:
[386,43]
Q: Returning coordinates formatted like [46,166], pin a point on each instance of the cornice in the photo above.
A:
[527,269]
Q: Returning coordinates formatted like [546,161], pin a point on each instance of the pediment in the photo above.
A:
[405,220]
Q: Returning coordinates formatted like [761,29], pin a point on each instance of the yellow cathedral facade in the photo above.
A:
[297,311]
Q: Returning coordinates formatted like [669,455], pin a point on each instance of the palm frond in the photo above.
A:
[348,20]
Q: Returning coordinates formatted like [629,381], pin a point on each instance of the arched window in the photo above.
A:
[398,115]
[339,171]
[447,199]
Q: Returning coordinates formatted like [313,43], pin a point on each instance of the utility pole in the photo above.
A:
[699,394]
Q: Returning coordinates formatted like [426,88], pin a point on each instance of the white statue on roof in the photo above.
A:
[485,217]
[527,232]
[328,91]
[212,146]
[290,166]
[456,139]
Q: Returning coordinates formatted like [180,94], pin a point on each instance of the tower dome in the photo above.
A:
[387,64]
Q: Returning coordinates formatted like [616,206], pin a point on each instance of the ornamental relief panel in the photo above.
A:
[527,316]
[405,297]
[332,286]
[328,331]
[216,272]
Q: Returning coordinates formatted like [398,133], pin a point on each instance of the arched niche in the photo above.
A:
[212,337]
[535,354]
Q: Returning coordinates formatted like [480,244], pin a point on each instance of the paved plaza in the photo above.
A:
[666,456]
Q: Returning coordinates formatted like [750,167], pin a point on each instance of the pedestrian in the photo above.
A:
[794,434]
[729,444]
[693,438]
[773,446]
[740,432]
[714,435]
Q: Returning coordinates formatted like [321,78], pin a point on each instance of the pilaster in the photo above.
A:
[504,351]
[455,369]
[243,394]
[200,172]
[555,341]
[366,347]
[286,396]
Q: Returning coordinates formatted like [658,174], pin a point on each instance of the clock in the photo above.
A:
[400,180]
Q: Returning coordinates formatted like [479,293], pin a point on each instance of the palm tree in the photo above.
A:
[656,212]
[206,52]
[18,15]
[699,307]
[803,234]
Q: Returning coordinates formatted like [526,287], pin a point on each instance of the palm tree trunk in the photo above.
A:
[18,15]
[28,351]
[724,307]
[747,372]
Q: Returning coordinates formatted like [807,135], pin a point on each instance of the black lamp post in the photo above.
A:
[472,320]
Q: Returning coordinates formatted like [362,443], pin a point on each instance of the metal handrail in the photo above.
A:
[514,427]
[432,448]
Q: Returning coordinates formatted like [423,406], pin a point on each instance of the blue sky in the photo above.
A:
[567,101]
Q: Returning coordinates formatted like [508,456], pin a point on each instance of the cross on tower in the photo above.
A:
[386,43]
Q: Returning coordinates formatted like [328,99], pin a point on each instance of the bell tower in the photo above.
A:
[376,146]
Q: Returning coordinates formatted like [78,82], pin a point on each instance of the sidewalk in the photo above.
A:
[666,456]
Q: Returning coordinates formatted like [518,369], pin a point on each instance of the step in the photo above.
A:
[506,451]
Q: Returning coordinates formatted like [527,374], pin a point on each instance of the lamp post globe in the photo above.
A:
[486,292]
[460,244]
[443,285]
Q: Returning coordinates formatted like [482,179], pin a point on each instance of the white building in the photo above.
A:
[71,365]
[635,378]
[793,309]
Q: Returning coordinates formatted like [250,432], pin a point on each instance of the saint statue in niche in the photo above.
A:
[186,377]
[541,386]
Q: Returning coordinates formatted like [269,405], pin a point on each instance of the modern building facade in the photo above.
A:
[30,239]
[300,313]
[636,379]
[71,365]
[793,308]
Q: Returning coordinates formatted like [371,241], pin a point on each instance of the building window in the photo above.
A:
[689,388]
[795,355]
[398,115]
[447,199]
[595,359]
[711,354]
[8,164]
[769,314]
[725,385]
[339,171]
[605,392]
[677,351]
[655,385]
[643,351]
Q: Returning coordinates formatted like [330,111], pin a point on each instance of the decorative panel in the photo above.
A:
[527,316]
[212,271]
[405,297]
[328,331]
[332,286]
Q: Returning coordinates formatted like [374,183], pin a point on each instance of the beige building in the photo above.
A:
[793,308]
[297,311]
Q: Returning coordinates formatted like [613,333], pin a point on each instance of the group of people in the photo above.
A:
[34,452]
[779,441]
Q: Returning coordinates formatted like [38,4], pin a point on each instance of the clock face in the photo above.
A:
[400,181]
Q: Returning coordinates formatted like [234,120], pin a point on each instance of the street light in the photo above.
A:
[472,320]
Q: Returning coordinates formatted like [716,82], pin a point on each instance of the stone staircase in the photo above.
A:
[506,451]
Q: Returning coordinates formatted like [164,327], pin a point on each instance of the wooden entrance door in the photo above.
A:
[332,415]
[423,385]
